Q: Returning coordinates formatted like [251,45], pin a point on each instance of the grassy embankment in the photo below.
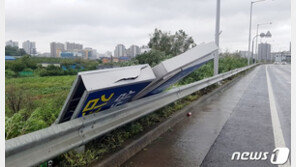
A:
[33,103]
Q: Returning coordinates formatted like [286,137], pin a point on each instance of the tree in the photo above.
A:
[11,51]
[20,64]
[16,66]
[171,44]
[14,51]
[152,58]
[22,52]
[28,62]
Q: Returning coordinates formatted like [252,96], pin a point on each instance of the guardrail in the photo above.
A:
[36,147]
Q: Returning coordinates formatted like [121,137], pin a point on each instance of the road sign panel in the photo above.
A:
[97,90]
[172,70]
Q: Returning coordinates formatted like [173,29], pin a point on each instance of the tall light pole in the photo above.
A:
[217,34]
[250,27]
[256,46]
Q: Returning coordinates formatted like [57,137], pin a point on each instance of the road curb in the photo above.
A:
[118,158]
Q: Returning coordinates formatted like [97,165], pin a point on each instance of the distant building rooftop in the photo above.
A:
[124,58]
[9,57]
[48,64]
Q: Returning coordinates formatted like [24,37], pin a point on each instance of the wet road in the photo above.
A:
[253,115]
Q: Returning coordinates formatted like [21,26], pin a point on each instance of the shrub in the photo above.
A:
[152,57]
[79,159]
[14,98]
[16,66]
[51,70]
[14,126]
[17,98]
[40,118]
[10,74]
[33,124]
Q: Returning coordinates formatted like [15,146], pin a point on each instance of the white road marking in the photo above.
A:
[277,130]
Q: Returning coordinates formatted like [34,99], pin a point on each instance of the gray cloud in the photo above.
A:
[102,24]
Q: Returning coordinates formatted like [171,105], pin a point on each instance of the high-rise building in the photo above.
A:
[120,51]
[73,46]
[264,52]
[133,51]
[87,53]
[12,43]
[94,54]
[29,47]
[56,49]
[91,53]
[77,53]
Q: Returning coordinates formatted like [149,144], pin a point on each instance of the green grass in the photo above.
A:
[38,101]
[42,85]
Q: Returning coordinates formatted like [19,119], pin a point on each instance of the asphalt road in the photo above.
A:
[251,116]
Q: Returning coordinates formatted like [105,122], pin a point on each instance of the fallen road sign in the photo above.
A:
[98,90]
[174,69]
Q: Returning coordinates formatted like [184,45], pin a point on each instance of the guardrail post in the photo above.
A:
[80,149]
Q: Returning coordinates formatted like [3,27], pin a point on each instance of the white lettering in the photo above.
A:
[255,155]
[245,154]
[233,155]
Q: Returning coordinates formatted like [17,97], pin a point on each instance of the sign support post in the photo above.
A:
[217,33]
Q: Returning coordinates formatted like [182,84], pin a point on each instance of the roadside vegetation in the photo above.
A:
[34,102]
[28,66]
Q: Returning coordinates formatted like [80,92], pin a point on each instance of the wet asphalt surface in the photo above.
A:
[237,120]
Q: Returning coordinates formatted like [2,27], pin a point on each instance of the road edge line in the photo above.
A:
[276,125]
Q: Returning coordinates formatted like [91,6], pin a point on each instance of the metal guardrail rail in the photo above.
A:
[36,147]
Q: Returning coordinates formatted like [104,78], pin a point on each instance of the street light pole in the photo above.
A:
[256,36]
[256,42]
[250,27]
[217,33]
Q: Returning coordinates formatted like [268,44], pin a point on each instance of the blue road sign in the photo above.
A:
[98,90]
[108,98]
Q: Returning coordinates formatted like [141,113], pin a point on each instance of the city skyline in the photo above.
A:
[73,47]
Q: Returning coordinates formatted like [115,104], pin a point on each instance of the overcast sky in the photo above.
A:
[101,24]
